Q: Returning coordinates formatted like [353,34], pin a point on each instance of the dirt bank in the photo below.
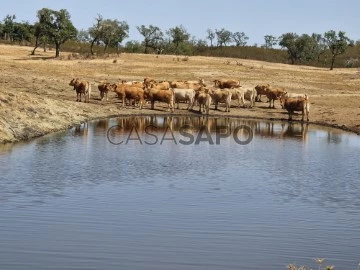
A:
[36,99]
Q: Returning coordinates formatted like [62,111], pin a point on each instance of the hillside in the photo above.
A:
[36,99]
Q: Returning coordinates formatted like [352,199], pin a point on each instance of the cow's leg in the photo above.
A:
[152,104]
[178,105]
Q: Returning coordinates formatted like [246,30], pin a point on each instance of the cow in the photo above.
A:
[273,94]
[154,94]
[204,99]
[160,85]
[187,84]
[297,105]
[129,92]
[226,83]
[184,95]
[147,81]
[104,89]
[237,93]
[82,88]
[250,95]
[221,96]
[289,95]
[199,81]
[133,83]
[261,90]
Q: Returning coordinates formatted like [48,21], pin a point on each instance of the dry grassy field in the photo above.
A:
[35,96]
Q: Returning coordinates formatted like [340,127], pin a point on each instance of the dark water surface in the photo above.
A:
[76,200]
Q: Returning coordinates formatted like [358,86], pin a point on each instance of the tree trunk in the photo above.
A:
[57,48]
[36,45]
[92,45]
[106,46]
[332,62]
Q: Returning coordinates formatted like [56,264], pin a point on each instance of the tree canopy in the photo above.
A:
[56,25]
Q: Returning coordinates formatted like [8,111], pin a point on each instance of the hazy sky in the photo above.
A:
[256,18]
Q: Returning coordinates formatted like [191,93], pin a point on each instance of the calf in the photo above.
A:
[204,99]
[104,89]
[82,88]
[300,104]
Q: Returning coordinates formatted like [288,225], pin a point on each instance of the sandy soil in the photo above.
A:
[36,99]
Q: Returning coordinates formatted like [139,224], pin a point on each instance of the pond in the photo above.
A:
[181,193]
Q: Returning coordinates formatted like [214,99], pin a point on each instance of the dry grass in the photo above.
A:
[35,97]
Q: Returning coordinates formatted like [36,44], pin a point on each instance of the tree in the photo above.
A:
[113,32]
[270,41]
[95,32]
[337,43]
[223,36]
[56,25]
[288,41]
[210,36]
[23,32]
[83,36]
[320,47]
[133,46]
[153,37]
[8,27]
[240,38]
[178,35]
[305,46]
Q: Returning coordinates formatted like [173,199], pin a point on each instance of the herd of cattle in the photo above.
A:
[194,93]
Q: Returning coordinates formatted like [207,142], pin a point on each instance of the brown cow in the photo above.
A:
[300,104]
[261,90]
[273,94]
[125,91]
[82,88]
[226,83]
[148,81]
[159,85]
[154,94]
[204,99]
[104,89]
[224,96]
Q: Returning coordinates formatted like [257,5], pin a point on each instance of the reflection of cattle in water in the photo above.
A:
[299,131]
[280,130]
[81,130]
[160,125]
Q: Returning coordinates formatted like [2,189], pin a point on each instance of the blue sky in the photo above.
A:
[256,18]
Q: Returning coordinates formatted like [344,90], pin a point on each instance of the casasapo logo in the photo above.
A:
[185,135]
